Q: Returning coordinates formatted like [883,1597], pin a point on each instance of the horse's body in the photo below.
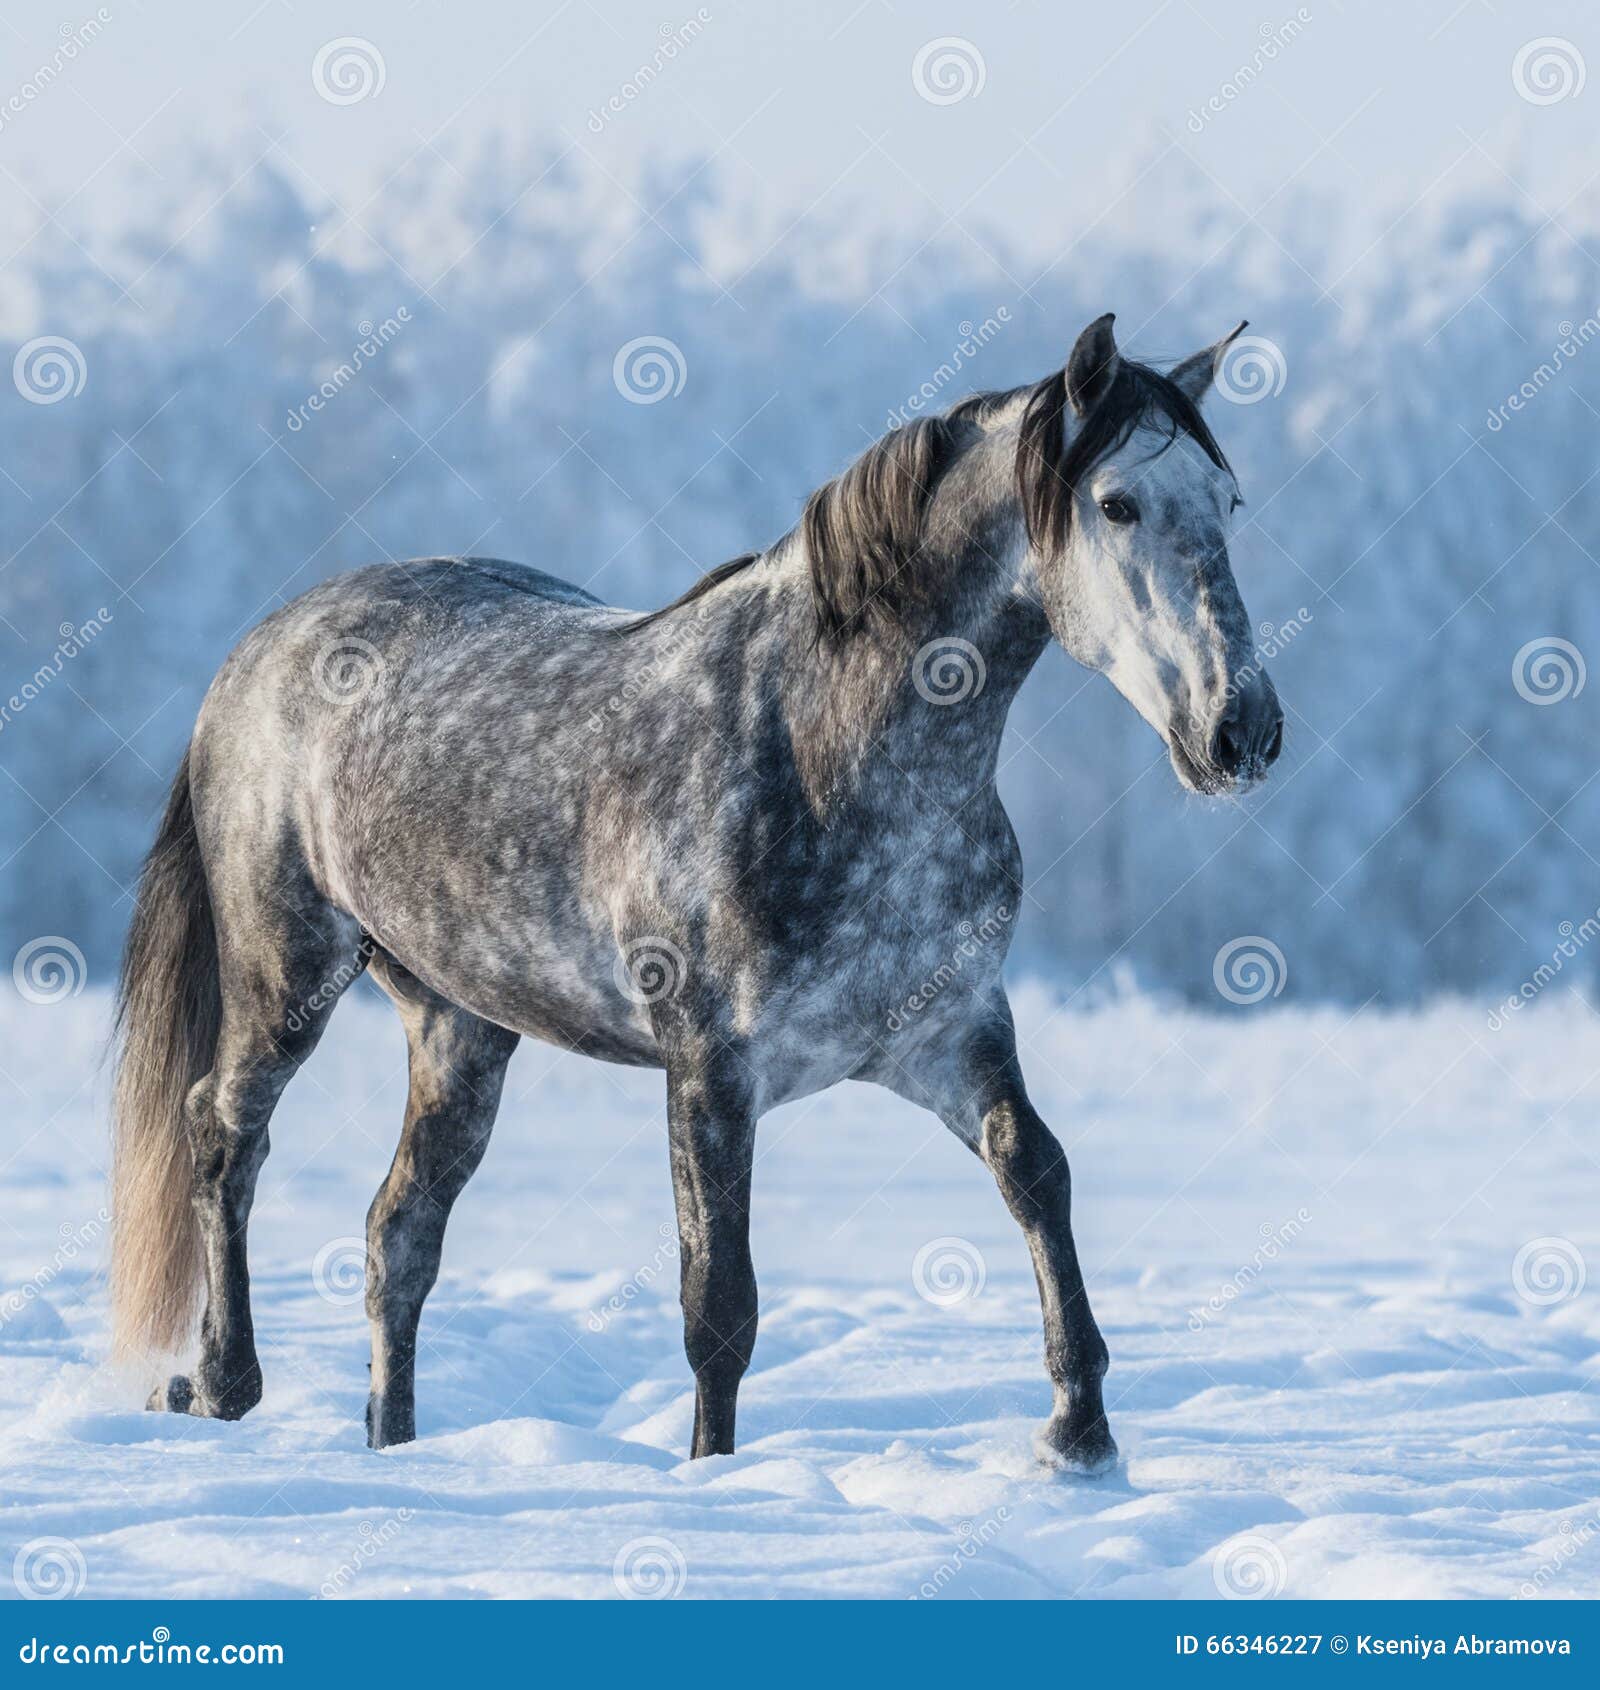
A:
[734,839]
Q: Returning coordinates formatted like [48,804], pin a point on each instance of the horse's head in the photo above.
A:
[1128,499]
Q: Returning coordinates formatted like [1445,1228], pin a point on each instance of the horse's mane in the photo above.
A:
[862,530]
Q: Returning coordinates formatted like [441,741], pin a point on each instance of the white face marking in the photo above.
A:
[1145,593]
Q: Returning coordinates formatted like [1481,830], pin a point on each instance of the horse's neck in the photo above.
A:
[917,705]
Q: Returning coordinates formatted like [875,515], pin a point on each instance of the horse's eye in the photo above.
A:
[1119,511]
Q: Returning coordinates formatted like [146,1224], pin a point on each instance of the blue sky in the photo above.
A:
[1378,110]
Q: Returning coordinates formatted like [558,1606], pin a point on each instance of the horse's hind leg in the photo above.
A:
[283,965]
[458,1065]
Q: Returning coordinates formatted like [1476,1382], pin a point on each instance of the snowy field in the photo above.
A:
[1338,1369]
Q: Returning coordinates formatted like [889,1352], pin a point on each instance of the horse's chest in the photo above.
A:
[869,956]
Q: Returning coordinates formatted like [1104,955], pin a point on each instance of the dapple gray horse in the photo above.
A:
[727,839]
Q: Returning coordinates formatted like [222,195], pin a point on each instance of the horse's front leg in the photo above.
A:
[977,1089]
[711,1125]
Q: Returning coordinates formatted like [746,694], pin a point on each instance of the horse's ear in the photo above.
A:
[1195,374]
[1092,364]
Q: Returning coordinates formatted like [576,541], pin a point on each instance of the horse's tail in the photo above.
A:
[168,1013]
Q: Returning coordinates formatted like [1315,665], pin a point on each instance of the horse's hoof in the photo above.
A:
[181,1395]
[1087,1450]
[174,1397]
[389,1423]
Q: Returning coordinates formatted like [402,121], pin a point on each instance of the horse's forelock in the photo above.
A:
[1049,468]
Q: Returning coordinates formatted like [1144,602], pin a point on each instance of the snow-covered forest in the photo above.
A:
[255,393]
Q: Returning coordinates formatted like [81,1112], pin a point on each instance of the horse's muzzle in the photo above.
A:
[1249,734]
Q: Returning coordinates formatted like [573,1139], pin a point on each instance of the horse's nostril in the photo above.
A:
[1230,751]
[1275,744]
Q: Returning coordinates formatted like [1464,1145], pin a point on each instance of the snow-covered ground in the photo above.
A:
[1339,1369]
